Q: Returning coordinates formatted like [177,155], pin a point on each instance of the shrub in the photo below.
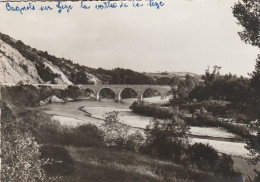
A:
[206,158]
[59,162]
[157,111]
[115,133]
[167,139]
[203,156]
[87,136]
[206,119]
[20,151]
[51,132]
[21,95]
[134,142]
[45,92]
[72,92]
[225,165]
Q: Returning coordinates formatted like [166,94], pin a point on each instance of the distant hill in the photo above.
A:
[180,75]
[169,78]
[21,63]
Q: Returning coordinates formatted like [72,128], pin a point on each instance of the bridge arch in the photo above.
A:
[122,90]
[98,92]
[164,95]
[142,94]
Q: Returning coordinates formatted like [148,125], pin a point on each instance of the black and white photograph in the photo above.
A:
[130,91]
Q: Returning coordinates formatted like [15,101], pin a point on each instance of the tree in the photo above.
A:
[167,138]
[203,156]
[20,151]
[248,14]
[255,82]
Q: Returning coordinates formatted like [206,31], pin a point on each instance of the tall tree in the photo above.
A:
[248,14]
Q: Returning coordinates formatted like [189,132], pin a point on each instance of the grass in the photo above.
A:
[107,165]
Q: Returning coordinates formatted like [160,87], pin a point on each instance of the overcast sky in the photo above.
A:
[181,36]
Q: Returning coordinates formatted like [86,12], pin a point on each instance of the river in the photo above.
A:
[85,111]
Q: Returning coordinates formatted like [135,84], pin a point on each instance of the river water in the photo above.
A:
[90,111]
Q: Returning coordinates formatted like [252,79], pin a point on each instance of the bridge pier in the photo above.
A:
[118,97]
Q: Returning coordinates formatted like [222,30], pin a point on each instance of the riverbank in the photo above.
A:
[90,111]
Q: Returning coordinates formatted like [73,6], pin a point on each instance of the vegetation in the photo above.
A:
[58,151]
[35,148]
[20,151]
[247,13]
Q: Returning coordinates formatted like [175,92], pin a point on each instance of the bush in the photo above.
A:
[167,139]
[72,92]
[203,156]
[134,142]
[59,162]
[157,111]
[206,158]
[20,152]
[115,133]
[225,165]
[21,95]
[87,136]
[206,119]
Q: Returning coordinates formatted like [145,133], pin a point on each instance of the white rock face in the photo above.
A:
[93,78]
[62,79]
[15,68]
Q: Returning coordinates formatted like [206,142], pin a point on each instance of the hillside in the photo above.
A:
[180,75]
[21,63]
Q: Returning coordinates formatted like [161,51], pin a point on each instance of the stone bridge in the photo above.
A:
[118,89]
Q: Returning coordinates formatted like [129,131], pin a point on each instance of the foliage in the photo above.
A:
[21,95]
[58,161]
[115,133]
[87,136]
[46,73]
[127,76]
[216,107]
[203,156]
[255,84]
[206,119]
[182,88]
[228,87]
[247,13]
[72,91]
[155,110]
[253,143]
[108,165]
[206,158]
[53,133]
[225,165]
[20,151]
[167,139]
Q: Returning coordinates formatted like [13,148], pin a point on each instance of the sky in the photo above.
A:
[183,35]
